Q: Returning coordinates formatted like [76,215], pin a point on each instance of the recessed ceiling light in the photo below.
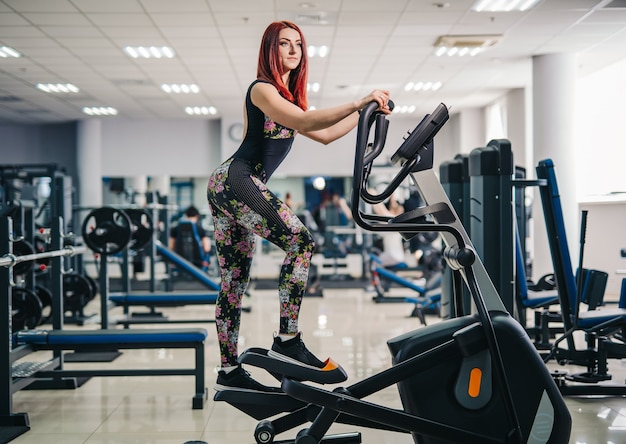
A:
[503,5]
[149,52]
[6,51]
[315,87]
[180,88]
[100,111]
[422,86]
[201,110]
[404,109]
[60,88]
[317,51]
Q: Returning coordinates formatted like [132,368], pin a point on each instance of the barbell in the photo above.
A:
[11,260]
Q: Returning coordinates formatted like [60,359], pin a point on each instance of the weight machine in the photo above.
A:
[603,329]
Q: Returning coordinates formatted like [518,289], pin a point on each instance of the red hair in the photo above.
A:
[270,67]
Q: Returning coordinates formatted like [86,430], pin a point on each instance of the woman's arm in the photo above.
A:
[334,132]
[266,97]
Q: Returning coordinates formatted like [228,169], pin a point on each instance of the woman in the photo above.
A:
[242,206]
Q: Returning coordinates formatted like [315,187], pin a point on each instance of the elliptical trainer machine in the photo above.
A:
[475,378]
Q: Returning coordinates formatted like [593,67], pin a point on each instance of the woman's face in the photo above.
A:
[289,49]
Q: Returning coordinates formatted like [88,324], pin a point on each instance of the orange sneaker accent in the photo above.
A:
[330,365]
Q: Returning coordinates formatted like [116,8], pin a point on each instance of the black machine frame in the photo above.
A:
[532,407]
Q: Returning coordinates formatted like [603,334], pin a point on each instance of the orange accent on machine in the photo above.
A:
[475,379]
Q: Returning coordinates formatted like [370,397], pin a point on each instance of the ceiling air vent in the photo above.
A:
[461,45]
[315,18]
[467,41]
[130,82]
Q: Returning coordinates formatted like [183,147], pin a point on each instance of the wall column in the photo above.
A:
[554,89]
[139,185]
[160,184]
[89,162]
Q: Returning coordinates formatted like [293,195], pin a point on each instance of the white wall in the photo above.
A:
[309,158]
[600,148]
[145,147]
[472,130]
[601,132]
[516,128]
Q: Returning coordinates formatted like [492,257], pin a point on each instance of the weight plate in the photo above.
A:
[22,248]
[142,228]
[76,292]
[45,296]
[93,284]
[26,310]
[107,230]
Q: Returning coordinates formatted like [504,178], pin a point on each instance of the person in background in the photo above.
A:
[275,111]
[392,252]
[295,206]
[190,240]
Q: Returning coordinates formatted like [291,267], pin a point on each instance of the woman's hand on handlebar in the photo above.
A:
[381,97]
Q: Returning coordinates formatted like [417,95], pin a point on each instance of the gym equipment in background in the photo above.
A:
[109,231]
[602,328]
[473,378]
[175,298]
[540,301]
[428,295]
[454,177]
[39,372]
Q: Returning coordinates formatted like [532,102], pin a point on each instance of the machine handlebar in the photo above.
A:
[412,155]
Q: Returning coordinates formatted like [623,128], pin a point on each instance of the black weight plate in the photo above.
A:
[26,310]
[107,230]
[22,248]
[45,296]
[93,284]
[76,292]
[142,228]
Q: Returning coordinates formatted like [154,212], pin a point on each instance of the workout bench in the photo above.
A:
[98,340]
[152,299]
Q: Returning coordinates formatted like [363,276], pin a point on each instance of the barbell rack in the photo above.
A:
[10,260]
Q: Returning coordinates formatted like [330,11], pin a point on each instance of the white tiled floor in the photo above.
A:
[344,324]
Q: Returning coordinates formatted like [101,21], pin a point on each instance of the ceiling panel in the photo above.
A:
[56,19]
[109,6]
[133,20]
[170,6]
[71,31]
[40,6]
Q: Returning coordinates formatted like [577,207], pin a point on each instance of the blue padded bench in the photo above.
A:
[429,296]
[167,299]
[164,299]
[97,340]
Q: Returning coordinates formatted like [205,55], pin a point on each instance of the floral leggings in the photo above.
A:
[243,207]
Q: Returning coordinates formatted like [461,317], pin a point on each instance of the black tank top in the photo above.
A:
[266,142]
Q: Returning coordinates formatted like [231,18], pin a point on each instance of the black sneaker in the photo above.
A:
[240,380]
[295,349]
